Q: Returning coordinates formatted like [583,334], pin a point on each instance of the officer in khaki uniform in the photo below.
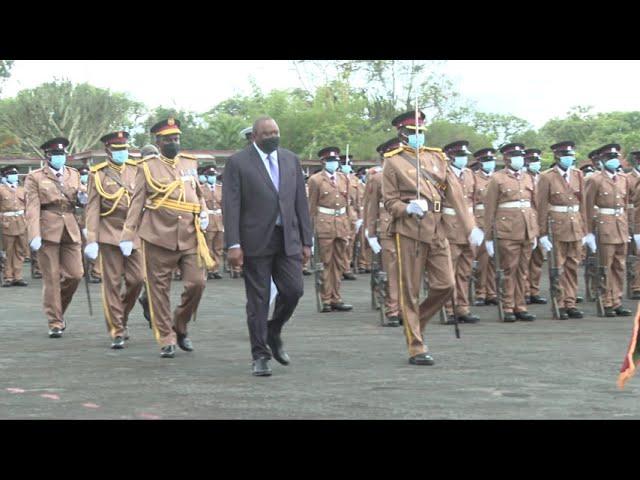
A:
[111,187]
[356,210]
[306,270]
[634,190]
[169,214]
[95,275]
[462,254]
[608,190]
[378,222]
[510,201]
[14,226]
[533,272]
[52,195]
[364,264]
[330,211]
[418,228]
[484,165]
[215,231]
[561,196]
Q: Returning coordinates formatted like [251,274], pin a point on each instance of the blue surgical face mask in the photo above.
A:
[534,167]
[460,162]
[120,156]
[203,179]
[346,168]
[331,166]
[489,166]
[612,164]
[84,179]
[211,179]
[58,161]
[517,163]
[12,178]
[567,162]
[415,141]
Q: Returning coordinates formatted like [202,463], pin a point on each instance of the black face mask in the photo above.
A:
[170,150]
[269,145]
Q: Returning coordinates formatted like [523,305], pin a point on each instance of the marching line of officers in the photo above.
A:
[429,222]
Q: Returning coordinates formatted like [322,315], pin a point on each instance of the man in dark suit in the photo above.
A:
[268,231]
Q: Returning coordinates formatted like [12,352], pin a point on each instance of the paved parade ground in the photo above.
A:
[343,365]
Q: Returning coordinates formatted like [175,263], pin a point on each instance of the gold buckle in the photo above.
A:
[436,206]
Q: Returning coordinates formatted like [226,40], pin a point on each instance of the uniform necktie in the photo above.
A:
[275,175]
[566,177]
[615,177]
[333,180]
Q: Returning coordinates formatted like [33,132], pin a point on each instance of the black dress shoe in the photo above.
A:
[349,276]
[275,344]
[7,283]
[168,351]
[580,299]
[144,303]
[261,367]
[37,275]
[306,272]
[401,320]
[393,321]
[480,302]
[538,299]
[468,318]
[20,283]
[608,312]
[449,320]
[184,343]
[217,276]
[491,301]
[635,296]
[341,307]
[563,314]
[55,332]
[326,307]
[422,359]
[622,312]
[509,317]
[574,313]
[117,343]
[525,316]
[93,279]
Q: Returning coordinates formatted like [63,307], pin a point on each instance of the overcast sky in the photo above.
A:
[535,90]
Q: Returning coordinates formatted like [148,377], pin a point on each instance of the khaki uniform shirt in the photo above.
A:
[213,199]
[12,200]
[604,192]
[323,193]
[378,219]
[482,181]
[554,190]
[455,234]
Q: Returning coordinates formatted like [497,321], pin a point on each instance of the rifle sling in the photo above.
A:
[440,187]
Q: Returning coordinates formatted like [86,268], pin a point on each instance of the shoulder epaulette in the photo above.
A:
[131,162]
[189,156]
[99,166]
[391,153]
[144,159]
[433,149]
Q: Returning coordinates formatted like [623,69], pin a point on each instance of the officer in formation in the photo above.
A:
[169,215]
[95,274]
[634,189]
[13,245]
[111,187]
[356,197]
[533,163]
[52,194]
[215,231]
[414,194]
[330,210]
[378,221]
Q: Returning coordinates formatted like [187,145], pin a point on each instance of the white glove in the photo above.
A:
[489,246]
[545,243]
[204,220]
[83,198]
[476,237]
[535,243]
[375,245]
[85,232]
[3,254]
[358,224]
[636,238]
[417,207]
[126,247]
[36,243]
[590,241]
[91,251]
[366,233]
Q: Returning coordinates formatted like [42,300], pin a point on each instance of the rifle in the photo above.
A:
[499,273]
[473,281]
[590,270]
[601,274]
[2,263]
[86,283]
[378,285]
[356,254]
[632,255]
[318,267]
[555,291]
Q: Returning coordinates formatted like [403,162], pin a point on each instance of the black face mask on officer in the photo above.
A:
[170,149]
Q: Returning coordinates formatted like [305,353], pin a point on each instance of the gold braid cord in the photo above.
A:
[114,197]
[160,199]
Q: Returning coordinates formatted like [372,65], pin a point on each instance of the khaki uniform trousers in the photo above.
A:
[486,282]
[117,304]
[159,264]
[215,242]
[413,257]
[534,273]
[614,257]
[333,254]
[514,261]
[567,256]
[462,261]
[61,267]
[16,250]
[390,266]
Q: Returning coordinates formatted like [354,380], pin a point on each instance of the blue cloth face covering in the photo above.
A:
[347,168]
[489,166]
[84,179]
[415,140]
[534,167]
[119,156]
[460,162]
[612,164]
[57,161]
[331,166]
[567,162]
[12,178]
[211,179]
[203,179]
[517,163]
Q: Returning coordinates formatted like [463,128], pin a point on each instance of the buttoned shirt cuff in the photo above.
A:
[237,245]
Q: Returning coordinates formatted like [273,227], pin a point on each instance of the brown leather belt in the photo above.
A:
[57,208]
